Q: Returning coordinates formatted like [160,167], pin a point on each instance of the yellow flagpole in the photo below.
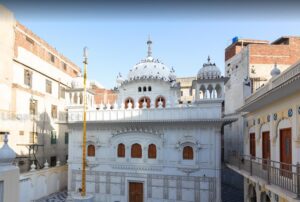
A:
[83,177]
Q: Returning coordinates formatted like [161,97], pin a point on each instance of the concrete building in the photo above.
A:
[147,146]
[187,94]
[271,156]
[248,64]
[33,82]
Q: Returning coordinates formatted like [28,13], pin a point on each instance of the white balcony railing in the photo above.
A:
[165,114]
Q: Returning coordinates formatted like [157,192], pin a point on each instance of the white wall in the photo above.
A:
[40,183]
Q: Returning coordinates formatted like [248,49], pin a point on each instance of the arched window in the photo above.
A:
[149,88]
[91,150]
[145,89]
[127,101]
[188,153]
[142,100]
[121,150]
[140,89]
[136,151]
[152,151]
[160,99]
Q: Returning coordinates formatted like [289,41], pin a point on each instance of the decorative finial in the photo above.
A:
[208,59]
[275,71]
[149,43]
[85,55]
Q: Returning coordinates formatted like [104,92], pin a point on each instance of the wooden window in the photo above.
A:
[52,161]
[27,77]
[62,92]
[266,152]
[64,66]
[162,100]
[48,86]
[54,111]
[33,107]
[53,137]
[30,40]
[121,150]
[136,151]
[91,150]
[66,138]
[52,57]
[152,151]
[252,145]
[188,153]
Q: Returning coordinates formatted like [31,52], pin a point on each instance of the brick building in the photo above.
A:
[33,83]
[248,64]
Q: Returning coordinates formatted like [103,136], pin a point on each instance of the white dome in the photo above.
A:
[7,154]
[151,69]
[209,71]
[77,82]
[275,71]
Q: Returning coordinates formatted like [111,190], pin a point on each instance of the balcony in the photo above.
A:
[206,114]
[285,176]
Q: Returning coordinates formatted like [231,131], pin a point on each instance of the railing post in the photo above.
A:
[250,165]
[298,180]
[239,161]
[268,171]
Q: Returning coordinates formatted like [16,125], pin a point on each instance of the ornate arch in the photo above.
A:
[280,124]
[162,99]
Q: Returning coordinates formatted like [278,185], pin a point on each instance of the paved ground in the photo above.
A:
[56,197]
[231,194]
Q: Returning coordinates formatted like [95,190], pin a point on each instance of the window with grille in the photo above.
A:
[121,150]
[188,153]
[33,107]
[91,150]
[53,137]
[54,111]
[27,77]
[48,86]
[152,151]
[136,151]
[66,138]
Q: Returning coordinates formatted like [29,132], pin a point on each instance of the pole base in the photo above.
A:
[79,198]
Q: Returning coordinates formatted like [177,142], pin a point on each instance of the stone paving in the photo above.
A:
[56,197]
[231,194]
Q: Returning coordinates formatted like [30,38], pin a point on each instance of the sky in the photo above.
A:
[183,36]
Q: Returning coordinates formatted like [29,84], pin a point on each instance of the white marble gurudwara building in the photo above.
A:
[147,146]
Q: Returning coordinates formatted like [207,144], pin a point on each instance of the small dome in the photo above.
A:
[275,71]
[209,71]
[77,82]
[7,154]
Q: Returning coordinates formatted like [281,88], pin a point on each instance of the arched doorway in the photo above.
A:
[251,193]
[161,100]
[264,197]
[127,101]
[144,100]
